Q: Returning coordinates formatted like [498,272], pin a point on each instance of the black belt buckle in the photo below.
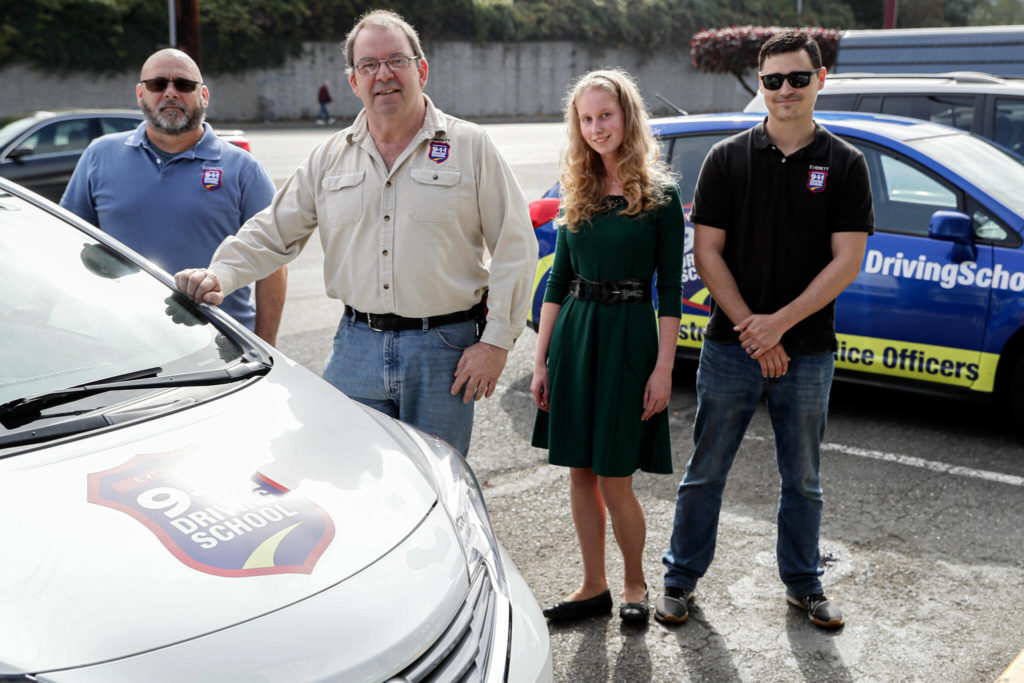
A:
[369,323]
[611,294]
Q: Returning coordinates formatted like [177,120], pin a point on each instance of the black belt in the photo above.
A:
[610,292]
[389,322]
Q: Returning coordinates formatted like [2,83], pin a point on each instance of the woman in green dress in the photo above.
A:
[603,370]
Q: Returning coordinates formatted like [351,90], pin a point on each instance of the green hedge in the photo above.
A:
[109,35]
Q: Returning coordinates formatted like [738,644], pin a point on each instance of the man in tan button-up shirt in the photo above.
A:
[409,202]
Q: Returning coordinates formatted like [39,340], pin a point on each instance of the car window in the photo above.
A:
[1009,123]
[986,226]
[904,195]
[72,311]
[950,110]
[870,103]
[688,155]
[117,124]
[61,136]
[13,128]
[835,102]
[980,163]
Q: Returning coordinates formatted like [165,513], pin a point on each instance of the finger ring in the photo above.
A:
[751,348]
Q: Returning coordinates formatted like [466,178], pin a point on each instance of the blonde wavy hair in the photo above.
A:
[646,181]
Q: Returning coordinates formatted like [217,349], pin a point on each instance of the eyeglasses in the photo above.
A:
[160,84]
[369,67]
[797,79]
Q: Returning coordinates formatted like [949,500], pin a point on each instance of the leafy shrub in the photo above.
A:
[734,49]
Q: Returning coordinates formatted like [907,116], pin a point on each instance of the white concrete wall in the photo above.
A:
[513,80]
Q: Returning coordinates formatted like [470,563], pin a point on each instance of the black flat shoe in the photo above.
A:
[634,611]
[579,609]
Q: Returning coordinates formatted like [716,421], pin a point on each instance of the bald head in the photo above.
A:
[173,100]
[170,59]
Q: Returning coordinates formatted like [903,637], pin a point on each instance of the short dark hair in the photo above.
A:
[790,41]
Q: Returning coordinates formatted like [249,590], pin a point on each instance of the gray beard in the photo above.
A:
[192,119]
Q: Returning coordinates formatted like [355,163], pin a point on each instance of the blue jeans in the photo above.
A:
[406,374]
[729,389]
[324,114]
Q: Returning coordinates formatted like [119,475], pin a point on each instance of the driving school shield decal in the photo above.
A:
[245,527]
[439,151]
[816,180]
[213,178]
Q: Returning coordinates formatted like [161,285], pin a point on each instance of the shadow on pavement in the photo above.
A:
[815,650]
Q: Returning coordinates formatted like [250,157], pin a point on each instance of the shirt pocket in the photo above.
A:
[436,197]
[343,197]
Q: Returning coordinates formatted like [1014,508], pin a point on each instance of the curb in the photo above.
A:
[1015,672]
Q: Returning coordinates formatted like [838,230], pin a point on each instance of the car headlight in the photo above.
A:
[459,493]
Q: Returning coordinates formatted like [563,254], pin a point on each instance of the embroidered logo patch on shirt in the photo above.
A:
[212,178]
[439,151]
[816,179]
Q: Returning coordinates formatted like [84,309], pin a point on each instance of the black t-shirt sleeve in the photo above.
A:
[854,212]
[711,205]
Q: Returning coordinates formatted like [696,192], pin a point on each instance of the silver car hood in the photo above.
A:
[195,521]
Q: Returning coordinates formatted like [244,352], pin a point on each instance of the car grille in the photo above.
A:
[462,651]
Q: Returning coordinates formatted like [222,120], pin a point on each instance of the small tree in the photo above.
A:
[734,49]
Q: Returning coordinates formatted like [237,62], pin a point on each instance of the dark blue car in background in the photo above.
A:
[939,302]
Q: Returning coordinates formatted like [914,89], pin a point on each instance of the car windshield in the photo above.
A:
[73,311]
[12,128]
[980,163]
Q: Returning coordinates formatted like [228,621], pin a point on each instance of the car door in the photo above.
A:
[906,315]
[45,157]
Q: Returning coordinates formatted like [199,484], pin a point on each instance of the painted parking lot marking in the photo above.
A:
[920,463]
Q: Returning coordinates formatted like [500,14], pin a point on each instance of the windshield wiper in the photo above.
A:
[19,409]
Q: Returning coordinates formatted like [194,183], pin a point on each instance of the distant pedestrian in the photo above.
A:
[602,374]
[172,190]
[782,213]
[323,96]
[426,235]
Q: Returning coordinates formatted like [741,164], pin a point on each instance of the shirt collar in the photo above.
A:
[207,148]
[817,148]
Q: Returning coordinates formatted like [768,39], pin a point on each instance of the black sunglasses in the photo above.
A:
[797,79]
[160,83]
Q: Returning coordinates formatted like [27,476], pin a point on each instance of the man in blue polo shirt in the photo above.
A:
[172,190]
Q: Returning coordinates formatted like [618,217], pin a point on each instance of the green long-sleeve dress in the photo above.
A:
[602,355]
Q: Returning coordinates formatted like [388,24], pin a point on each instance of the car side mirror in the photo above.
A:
[17,153]
[955,227]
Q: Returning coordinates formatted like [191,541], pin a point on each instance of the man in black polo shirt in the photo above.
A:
[782,214]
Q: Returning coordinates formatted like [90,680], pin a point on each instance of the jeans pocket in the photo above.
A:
[458,337]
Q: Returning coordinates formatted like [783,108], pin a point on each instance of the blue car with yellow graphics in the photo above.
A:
[939,302]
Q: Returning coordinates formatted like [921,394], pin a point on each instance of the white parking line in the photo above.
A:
[921,463]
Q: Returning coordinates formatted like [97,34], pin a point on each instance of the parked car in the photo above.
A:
[40,150]
[181,502]
[939,303]
[979,103]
